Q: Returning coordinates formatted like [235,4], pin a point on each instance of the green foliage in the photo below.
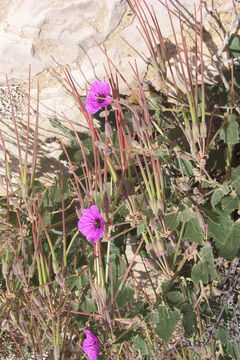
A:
[185,166]
[125,295]
[176,299]
[229,204]
[127,292]
[138,308]
[234,46]
[230,347]
[226,235]
[219,194]
[235,179]
[214,94]
[165,320]
[231,247]
[205,268]
[141,345]
[193,231]
[189,321]
[230,131]
[182,301]
[88,306]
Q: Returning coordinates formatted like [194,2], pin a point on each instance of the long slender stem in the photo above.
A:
[178,244]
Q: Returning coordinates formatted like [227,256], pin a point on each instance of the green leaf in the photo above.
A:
[166,321]
[229,204]
[138,308]
[234,46]
[141,345]
[213,92]
[125,296]
[221,230]
[229,346]
[216,197]
[205,269]
[185,215]
[216,161]
[53,194]
[88,306]
[189,321]
[193,231]
[230,249]
[155,103]
[141,228]
[235,177]
[171,220]
[230,132]
[80,320]
[185,166]
[81,281]
[118,269]
[226,235]
[219,194]
[209,213]
[123,335]
[74,153]
[176,299]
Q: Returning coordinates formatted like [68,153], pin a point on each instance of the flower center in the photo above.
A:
[91,344]
[102,96]
[97,224]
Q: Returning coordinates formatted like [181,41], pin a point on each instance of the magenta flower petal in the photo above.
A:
[91,224]
[95,235]
[92,105]
[94,210]
[98,96]
[90,345]
[100,87]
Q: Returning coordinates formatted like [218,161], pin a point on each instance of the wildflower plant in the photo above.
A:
[162,175]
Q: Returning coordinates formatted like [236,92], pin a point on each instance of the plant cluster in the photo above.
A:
[162,169]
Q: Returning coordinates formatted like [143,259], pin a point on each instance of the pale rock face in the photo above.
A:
[214,12]
[133,35]
[49,32]
[186,7]
[93,69]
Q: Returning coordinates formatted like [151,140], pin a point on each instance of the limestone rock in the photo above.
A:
[49,32]
[219,17]
[92,67]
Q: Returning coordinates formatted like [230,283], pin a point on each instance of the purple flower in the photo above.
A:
[91,224]
[98,96]
[90,345]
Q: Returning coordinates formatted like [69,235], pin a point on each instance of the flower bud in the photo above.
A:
[108,130]
[37,302]
[203,130]
[195,131]
[5,268]
[55,267]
